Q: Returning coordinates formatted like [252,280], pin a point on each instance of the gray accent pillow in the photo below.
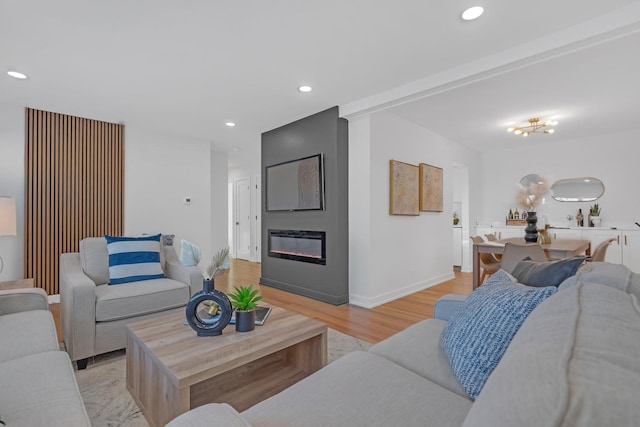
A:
[550,273]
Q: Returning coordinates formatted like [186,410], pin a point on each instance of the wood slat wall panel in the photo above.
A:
[73,188]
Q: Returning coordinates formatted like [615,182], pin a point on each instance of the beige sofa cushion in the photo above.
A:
[94,258]
[40,390]
[573,362]
[137,298]
[361,389]
[417,348]
[25,333]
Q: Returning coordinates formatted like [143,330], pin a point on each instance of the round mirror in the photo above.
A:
[585,189]
[532,178]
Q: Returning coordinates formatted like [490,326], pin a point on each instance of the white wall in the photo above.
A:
[392,256]
[12,184]
[159,171]
[614,159]
[219,198]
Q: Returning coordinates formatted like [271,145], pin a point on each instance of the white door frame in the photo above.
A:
[257,229]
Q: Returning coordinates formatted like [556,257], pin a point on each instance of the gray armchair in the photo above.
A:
[94,314]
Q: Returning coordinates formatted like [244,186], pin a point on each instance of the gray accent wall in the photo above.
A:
[324,133]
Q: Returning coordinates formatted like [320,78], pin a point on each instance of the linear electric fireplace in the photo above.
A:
[298,245]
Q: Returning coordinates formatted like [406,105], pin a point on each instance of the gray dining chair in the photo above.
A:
[514,253]
[600,251]
[488,263]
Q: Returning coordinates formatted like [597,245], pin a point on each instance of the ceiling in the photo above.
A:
[187,67]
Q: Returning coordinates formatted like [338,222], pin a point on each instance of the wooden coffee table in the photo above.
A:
[171,370]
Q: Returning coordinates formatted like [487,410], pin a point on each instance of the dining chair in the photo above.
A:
[491,237]
[601,250]
[514,253]
[488,263]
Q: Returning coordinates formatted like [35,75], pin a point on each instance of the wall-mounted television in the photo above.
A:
[296,185]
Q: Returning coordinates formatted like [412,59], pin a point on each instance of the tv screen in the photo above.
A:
[296,185]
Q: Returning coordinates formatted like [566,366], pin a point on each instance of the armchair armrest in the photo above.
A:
[16,300]
[210,415]
[77,307]
[447,305]
[176,271]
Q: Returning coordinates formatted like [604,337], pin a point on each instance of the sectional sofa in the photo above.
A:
[575,361]
[37,382]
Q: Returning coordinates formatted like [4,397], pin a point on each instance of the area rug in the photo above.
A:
[109,404]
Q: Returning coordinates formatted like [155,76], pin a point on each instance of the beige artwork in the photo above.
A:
[430,188]
[404,183]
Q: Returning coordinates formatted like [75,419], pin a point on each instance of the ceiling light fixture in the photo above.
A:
[230,124]
[305,89]
[17,75]
[472,13]
[534,127]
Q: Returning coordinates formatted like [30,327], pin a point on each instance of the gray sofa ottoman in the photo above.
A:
[574,362]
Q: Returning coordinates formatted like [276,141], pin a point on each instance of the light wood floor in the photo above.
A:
[371,325]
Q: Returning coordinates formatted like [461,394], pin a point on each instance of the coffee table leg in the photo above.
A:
[159,399]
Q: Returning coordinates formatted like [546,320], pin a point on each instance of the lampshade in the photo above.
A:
[7,216]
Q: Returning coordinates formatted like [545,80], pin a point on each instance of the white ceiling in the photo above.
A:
[187,67]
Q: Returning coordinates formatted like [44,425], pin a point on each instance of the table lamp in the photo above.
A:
[7,219]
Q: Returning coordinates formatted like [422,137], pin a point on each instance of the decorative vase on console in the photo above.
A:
[531,230]
[529,198]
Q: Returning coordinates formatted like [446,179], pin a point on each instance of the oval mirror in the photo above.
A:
[585,189]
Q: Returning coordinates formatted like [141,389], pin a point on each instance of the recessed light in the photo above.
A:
[472,13]
[305,89]
[17,75]
[230,124]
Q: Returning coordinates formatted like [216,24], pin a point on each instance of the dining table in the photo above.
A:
[556,249]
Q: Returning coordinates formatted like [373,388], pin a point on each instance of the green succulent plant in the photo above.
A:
[244,298]
[594,210]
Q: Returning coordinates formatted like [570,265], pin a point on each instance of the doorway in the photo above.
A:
[243,219]
[461,207]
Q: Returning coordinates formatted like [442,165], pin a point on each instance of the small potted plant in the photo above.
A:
[245,299]
[594,215]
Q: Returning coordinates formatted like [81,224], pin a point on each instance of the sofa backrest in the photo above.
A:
[94,258]
[615,275]
[574,361]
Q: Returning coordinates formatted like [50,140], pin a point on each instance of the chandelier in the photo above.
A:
[535,126]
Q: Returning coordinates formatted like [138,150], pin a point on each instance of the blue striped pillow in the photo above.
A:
[478,334]
[132,259]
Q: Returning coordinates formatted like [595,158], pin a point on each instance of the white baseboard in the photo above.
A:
[370,302]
